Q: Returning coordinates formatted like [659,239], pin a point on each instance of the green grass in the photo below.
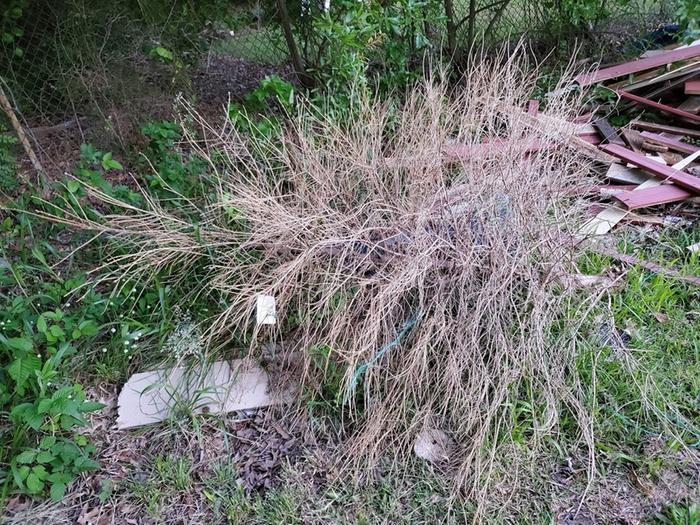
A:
[661,318]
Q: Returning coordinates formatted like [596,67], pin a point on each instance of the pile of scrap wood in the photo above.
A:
[657,155]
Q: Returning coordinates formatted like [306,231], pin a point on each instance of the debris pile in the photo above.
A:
[656,156]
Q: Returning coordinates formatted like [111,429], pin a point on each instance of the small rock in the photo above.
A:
[433,445]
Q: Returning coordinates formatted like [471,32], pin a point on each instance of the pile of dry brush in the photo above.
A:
[421,245]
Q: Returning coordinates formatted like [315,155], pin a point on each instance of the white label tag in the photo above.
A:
[266,311]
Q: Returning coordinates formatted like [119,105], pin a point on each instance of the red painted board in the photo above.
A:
[660,107]
[583,119]
[533,107]
[692,87]
[636,66]
[652,196]
[674,144]
[663,128]
[684,180]
[591,138]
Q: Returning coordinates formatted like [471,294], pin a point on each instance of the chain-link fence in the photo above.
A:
[501,20]
[77,57]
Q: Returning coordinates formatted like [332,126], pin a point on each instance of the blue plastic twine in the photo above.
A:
[407,326]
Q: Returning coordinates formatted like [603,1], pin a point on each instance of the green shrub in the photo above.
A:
[380,42]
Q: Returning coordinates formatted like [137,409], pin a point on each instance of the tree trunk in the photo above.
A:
[471,23]
[451,28]
[297,62]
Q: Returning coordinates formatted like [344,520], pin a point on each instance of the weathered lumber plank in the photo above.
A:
[675,145]
[636,66]
[657,169]
[661,107]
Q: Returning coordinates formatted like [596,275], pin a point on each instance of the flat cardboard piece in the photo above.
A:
[151,397]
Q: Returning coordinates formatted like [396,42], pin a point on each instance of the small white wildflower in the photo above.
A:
[185,340]
[104,350]
[126,350]
[67,305]
[126,343]
[113,330]
[130,358]
[38,355]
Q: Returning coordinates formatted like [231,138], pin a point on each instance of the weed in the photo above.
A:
[46,453]
[173,175]
[174,472]
[363,254]
[256,114]
[8,162]
[680,515]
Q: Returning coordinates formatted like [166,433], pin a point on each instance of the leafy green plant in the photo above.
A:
[8,162]
[10,32]
[370,41]
[689,17]
[93,169]
[582,15]
[256,114]
[46,409]
[176,173]
[55,462]
[680,515]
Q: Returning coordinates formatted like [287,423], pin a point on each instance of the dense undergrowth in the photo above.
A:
[72,319]
[63,328]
